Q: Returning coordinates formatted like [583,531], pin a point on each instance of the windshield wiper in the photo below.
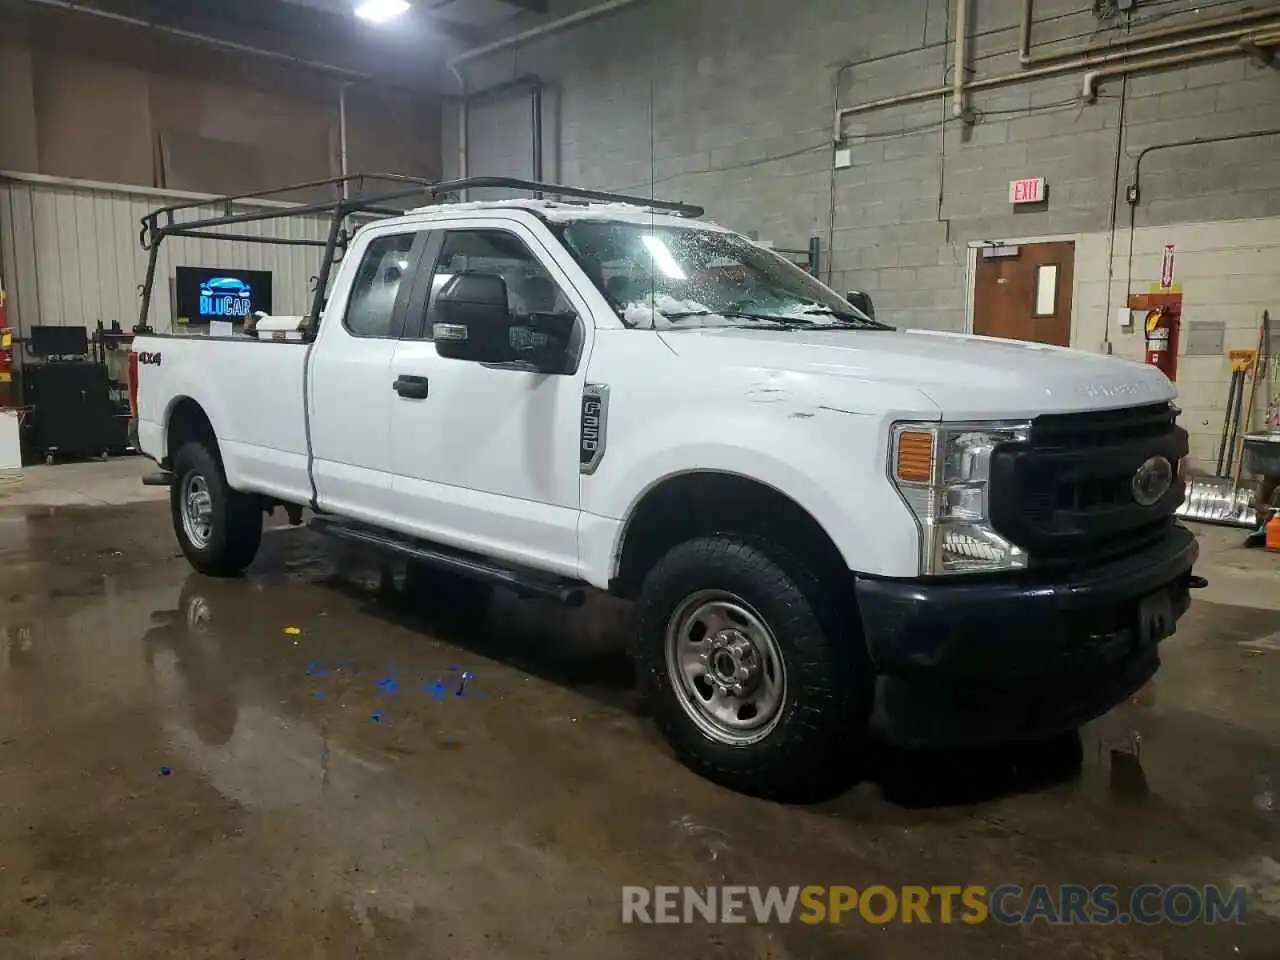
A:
[785,322]
[848,319]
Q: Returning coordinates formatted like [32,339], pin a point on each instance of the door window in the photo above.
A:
[530,287]
[371,308]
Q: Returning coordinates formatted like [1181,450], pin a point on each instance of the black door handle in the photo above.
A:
[411,388]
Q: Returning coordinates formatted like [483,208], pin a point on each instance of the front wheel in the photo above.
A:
[750,675]
[218,528]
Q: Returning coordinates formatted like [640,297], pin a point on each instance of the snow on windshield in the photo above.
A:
[652,312]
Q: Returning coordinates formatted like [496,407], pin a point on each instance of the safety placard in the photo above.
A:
[1166,268]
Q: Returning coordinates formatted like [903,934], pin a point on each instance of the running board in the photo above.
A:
[525,583]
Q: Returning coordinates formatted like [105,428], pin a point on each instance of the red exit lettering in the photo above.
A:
[1029,190]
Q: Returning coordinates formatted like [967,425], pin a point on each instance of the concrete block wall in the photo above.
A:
[736,112]
[731,105]
[1228,272]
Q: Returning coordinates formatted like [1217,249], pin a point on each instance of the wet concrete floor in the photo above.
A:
[183,776]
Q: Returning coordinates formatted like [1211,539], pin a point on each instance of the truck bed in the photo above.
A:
[252,393]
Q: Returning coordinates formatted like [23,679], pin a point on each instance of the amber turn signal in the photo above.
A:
[915,456]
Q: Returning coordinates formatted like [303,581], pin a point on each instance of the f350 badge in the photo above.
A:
[149,359]
[595,417]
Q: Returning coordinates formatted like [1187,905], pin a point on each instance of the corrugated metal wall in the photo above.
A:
[71,256]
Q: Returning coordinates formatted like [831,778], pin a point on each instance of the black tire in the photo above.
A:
[812,750]
[235,519]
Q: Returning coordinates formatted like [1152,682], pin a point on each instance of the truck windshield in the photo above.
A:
[675,277]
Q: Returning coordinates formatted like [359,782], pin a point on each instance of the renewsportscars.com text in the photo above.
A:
[1007,904]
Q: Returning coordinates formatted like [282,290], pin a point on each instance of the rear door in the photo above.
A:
[1023,292]
[489,458]
[350,383]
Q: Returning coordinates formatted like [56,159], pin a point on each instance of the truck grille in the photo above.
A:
[1066,496]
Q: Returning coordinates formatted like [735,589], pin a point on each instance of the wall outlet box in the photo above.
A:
[844,158]
[1124,318]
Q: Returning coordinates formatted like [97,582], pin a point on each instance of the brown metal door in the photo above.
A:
[1025,295]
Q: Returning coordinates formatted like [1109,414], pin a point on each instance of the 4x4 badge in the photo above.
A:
[595,418]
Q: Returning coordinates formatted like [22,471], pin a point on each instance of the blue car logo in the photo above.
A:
[225,297]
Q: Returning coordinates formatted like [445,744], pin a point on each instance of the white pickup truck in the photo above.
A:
[826,524]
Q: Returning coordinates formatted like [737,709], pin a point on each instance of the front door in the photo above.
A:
[489,458]
[1023,292]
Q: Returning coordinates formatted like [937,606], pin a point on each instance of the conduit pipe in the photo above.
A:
[1089,87]
[572,19]
[1132,59]
[207,40]
[958,103]
[1027,58]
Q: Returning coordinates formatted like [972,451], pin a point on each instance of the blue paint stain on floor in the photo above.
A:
[454,688]
[389,686]
[436,691]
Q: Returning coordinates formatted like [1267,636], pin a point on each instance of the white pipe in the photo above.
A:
[151,193]
[1089,86]
[1057,69]
[958,105]
[343,166]
[463,113]
[571,20]
[203,38]
[1027,58]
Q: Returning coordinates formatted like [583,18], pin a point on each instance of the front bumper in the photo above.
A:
[984,660]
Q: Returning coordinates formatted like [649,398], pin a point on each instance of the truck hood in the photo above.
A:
[965,377]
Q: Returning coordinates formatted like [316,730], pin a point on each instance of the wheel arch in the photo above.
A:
[185,421]
[699,502]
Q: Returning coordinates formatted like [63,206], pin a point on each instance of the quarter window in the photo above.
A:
[372,304]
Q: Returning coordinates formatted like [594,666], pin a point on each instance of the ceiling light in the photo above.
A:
[380,11]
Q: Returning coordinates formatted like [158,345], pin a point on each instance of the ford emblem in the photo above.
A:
[1152,481]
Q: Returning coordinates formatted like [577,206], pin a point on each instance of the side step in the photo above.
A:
[525,583]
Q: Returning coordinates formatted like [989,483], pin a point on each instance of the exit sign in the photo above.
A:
[1030,190]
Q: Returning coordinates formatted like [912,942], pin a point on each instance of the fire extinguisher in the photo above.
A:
[1158,330]
[6,349]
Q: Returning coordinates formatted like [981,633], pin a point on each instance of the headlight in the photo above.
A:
[942,472]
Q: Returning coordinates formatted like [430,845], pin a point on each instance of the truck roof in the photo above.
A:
[559,211]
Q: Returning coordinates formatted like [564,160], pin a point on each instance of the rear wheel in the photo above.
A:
[750,675]
[218,528]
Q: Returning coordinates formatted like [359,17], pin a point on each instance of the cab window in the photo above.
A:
[372,306]
[530,287]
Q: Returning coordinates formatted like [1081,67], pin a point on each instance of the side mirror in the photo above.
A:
[862,301]
[476,324]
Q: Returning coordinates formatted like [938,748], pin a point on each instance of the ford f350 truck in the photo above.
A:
[825,523]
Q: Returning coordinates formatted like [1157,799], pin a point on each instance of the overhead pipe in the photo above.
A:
[958,104]
[573,19]
[206,40]
[1058,69]
[1089,86]
[1027,58]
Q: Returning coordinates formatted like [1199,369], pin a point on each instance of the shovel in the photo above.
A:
[1222,499]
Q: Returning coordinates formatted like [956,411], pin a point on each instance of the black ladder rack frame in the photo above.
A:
[164,222]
